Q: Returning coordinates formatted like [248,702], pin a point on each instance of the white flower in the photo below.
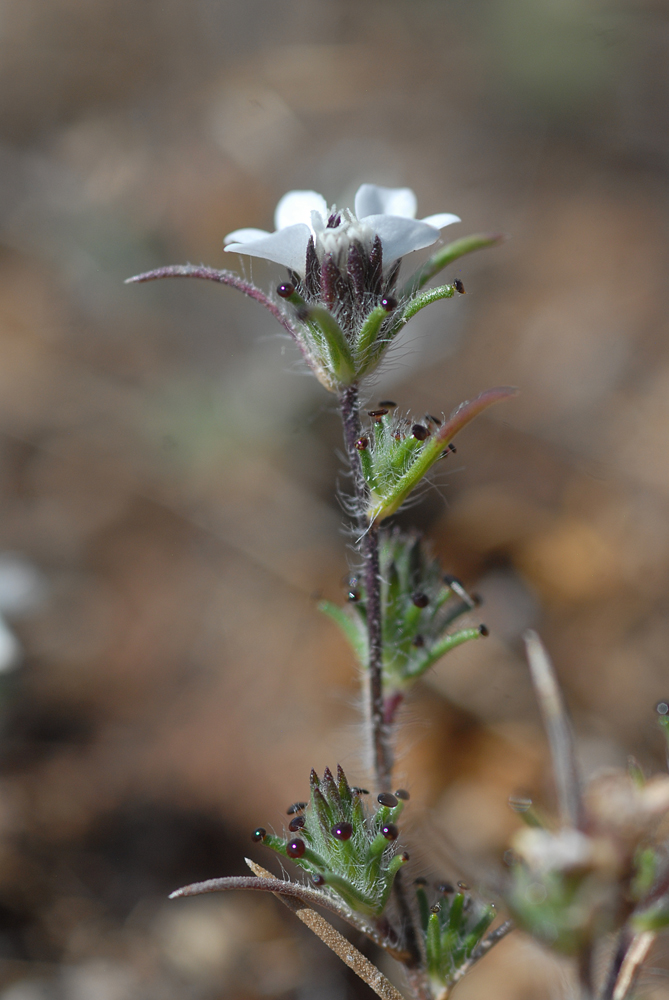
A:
[388,213]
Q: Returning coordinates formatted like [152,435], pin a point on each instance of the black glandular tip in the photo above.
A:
[436,908]
[362,443]
[388,404]
[389,303]
[353,596]
[418,641]
[390,831]
[401,793]
[420,432]
[285,290]
[377,414]
[458,286]
[446,888]
[484,630]
[419,599]
[318,879]
[342,831]
[296,848]
[296,807]
[405,856]
[387,799]
[296,824]
[259,834]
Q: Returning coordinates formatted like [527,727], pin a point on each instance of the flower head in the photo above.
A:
[302,217]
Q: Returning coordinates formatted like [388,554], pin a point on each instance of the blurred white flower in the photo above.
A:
[388,213]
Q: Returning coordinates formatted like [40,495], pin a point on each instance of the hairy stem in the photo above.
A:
[369,549]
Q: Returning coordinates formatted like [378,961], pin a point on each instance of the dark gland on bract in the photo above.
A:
[389,303]
[401,793]
[420,600]
[296,824]
[362,443]
[458,286]
[296,848]
[259,834]
[420,432]
[285,290]
[388,404]
[296,807]
[390,831]
[342,831]
[387,799]
[377,414]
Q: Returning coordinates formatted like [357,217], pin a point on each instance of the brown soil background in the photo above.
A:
[169,471]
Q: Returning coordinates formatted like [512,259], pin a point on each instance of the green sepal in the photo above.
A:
[442,647]
[350,626]
[446,255]
[340,360]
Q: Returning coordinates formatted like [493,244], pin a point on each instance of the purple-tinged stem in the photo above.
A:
[224,278]
[369,548]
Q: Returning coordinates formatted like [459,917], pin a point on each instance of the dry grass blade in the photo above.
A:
[558,731]
[336,942]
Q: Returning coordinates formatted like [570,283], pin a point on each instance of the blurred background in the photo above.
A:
[167,509]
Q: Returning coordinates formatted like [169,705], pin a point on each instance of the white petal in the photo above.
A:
[245,235]
[287,247]
[297,206]
[374,200]
[441,220]
[400,236]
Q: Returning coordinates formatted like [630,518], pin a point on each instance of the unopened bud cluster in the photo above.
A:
[420,606]
[342,844]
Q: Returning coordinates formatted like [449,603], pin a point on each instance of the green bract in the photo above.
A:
[452,929]
[420,606]
[343,845]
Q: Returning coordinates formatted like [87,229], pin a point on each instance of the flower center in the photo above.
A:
[335,234]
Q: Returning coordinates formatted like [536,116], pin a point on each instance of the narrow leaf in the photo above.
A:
[446,255]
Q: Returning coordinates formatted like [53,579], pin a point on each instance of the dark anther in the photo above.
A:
[318,879]
[388,403]
[387,799]
[296,848]
[342,831]
[420,432]
[436,908]
[390,831]
[445,888]
[418,641]
[259,834]
[405,855]
[334,220]
[361,443]
[458,286]
[359,791]
[420,599]
[402,793]
[353,596]
[297,807]
[662,708]
[377,414]
[450,580]
[286,290]
[484,630]
[420,880]
[296,824]
[463,886]
[389,303]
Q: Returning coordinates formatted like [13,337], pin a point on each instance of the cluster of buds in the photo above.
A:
[419,607]
[452,930]
[342,844]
